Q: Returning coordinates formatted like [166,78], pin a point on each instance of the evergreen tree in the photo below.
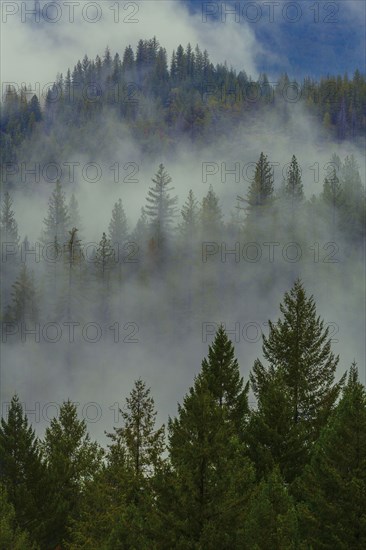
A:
[21,471]
[141,444]
[299,378]
[211,215]
[10,535]
[57,219]
[332,490]
[260,192]
[332,196]
[190,217]
[8,224]
[72,460]
[211,477]
[271,520]
[161,206]
[353,211]
[220,370]
[104,258]
[118,229]
[23,306]
[74,214]
[293,187]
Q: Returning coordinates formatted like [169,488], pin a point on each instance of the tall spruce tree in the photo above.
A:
[10,534]
[211,478]
[22,472]
[190,217]
[57,219]
[118,228]
[271,520]
[160,207]
[23,306]
[211,215]
[260,193]
[221,372]
[301,371]
[294,191]
[72,460]
[8,224]
[104,258]
[332,489]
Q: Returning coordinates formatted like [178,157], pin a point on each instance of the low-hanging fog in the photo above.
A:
[166,318]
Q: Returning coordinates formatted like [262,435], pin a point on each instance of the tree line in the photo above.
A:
[161,238]
[289,472]
[161,99]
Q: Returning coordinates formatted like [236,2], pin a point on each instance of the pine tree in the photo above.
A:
[134,461]
[21,471]
[293,187]
[211,478]
[221,372]
[8,224]
[271,520]
[104,258]
[74,214]
[141,444]
[260,192]
[23,306]
[352,211]
[57,219]
[118,229]
[332,490]
[10,535]
[161,207]
[72,460]
[190,217]
[211,215]
[301,371]
[333,197]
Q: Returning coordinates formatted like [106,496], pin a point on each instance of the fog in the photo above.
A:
[166,317]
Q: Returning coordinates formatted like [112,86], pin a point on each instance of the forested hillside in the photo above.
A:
[179,229]
[161,98]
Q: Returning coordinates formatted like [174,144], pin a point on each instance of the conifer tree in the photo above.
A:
[57,220]
[293,187]
[333,197]
[160,207]
[104,258]
[118,229]
[220,370]
[8,224]
[72,460]
[332,489]
[23,306]
[300,378]
[21,470]
[260,192]
[10,534]
[211,215]
[271,520]
[74,214]
[190,217]
[211,477]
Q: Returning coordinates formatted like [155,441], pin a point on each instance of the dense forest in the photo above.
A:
[161,101]
[267,449]
[290,473]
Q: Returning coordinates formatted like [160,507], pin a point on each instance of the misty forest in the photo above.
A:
[182,307]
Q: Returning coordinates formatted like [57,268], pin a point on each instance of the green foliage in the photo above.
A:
[299,379]
[332,488]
